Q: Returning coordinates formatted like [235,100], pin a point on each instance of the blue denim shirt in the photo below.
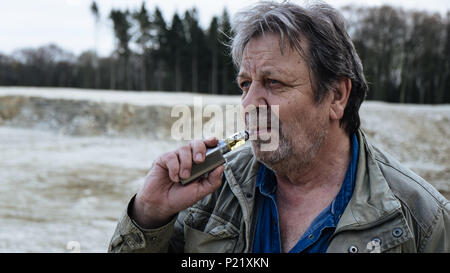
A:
[316,237]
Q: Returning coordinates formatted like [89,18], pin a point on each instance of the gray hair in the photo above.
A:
[330,53]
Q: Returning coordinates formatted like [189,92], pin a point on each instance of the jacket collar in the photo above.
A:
[374,213]
[240,172]
[372,199]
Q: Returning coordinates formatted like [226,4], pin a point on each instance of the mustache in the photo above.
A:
[261,118]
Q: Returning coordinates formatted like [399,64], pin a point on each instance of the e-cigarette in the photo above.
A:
[214,156]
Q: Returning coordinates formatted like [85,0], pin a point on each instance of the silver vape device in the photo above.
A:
[214,156]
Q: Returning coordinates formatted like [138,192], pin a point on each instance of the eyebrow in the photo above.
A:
[264,73]
[242,75]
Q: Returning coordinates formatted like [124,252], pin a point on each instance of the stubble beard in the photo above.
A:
[294,152]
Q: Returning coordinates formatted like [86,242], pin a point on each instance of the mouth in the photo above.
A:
[259,133]
[258,123]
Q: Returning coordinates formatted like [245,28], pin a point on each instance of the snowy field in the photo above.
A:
[70,160]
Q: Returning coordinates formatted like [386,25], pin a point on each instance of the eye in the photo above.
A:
[244,85]
[272,82]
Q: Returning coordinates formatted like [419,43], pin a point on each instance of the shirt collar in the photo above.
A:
[266,180]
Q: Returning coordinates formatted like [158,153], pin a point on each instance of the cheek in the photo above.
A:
[298,119]
[290,118]
[296,110]
[293,110]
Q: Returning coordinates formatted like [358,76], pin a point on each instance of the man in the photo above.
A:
[323,189]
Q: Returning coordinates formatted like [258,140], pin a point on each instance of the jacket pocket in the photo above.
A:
[208,233]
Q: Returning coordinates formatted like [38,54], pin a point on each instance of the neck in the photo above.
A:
[323,176]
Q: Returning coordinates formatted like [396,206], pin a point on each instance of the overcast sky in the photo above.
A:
[69,23]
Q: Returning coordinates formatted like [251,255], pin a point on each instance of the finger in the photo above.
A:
[173,166]
[211,142]
[185,159]
[198,151]
[199,148]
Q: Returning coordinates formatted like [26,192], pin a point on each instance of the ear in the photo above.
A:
[340,96]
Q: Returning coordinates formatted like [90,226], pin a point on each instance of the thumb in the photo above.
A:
[215,177]
[197,190]
[212,182]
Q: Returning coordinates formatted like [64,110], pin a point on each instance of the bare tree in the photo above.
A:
[96,14]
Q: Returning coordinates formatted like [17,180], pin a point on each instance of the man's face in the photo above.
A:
[269,78]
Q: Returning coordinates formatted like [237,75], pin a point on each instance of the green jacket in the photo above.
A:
[391,210]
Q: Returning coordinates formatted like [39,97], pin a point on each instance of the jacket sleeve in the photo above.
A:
[439,239]
[129,237]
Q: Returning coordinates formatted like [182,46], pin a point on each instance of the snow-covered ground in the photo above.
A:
[71,159]
[416,135]
[109,96]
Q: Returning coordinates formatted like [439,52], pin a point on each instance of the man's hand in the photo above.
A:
[162,195]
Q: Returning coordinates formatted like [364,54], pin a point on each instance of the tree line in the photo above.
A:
[405,55]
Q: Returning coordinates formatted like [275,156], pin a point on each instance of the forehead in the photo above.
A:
[266,51]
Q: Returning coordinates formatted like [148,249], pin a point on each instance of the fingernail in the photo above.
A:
[198,156]
[186,173]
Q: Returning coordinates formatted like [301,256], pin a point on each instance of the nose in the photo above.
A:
[255,97]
